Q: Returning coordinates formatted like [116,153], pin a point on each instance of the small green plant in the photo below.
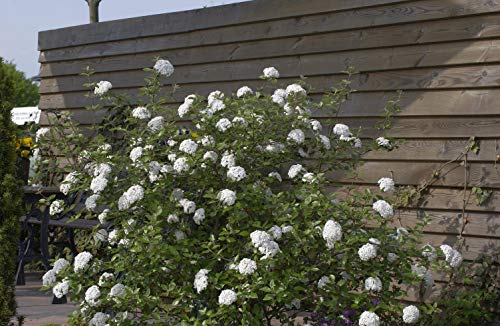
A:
[481,194]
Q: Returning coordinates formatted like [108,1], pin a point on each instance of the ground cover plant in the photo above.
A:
[236,217]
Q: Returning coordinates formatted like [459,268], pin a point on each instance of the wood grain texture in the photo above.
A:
[415,173]
[305,24]
[444,54]
[179,22]
[477,76]
[438,199]
[196,46]
[413,103]
[292,66]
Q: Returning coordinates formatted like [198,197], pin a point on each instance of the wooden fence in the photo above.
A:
[444,55]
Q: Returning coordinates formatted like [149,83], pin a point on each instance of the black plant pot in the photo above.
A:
[23,169]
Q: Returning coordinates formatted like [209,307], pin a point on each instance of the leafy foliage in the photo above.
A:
[315,247]
[10,197]
[24,90]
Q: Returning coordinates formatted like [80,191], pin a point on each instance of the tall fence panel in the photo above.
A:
[443,54]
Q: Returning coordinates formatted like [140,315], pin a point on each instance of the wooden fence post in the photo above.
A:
[93,10]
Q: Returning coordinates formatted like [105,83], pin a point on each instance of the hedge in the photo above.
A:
[10,198]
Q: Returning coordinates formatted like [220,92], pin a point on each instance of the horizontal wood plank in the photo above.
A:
[442,127]
[308,65]
[179,22]
[292,66]
[182,49]
[477,76]
[436,199]
[437,150]
[413,103]
[481,225]
[485,175]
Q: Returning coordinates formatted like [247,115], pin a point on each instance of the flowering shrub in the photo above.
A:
[236,220]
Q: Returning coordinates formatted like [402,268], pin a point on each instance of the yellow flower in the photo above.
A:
[18,145]
[25,153]
[27,142]
[194,134]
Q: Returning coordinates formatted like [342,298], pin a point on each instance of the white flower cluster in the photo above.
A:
[411,314]
[386,184]
[199,216]
[264,242]
[316,125]
[99,319]
[247,266]
[201,280]
[228,160]
[344,134]
[154,170]
[245,90]
[383,142]
[186,106]
[141,113]
[61,289]
[56,207]
[59,265]
[373,284]
[369,318]
[117,290]
[104,278]
[49,278]
[325,141]
[102,87]
[240,120]
[227,197]
[164,67]
[429,252]
[324,281]
[93,295]
[271,73]
[332,232]
[98,184]
[181,165]
[102,217]
[236,173]
[227,297]
[452,256]
[130,197]
[295,90]
[101,169]
[296,136]
[294,171]
[210,155]
[208,141]
[91,202]
[367,252]
[223,125]
[383,208]
[68,183]
[341,130]
[215,103]
[81,261]
[156,124]
[279,97]
[308,178]
[188,146]
[188,206]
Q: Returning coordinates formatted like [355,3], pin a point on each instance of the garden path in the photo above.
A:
[36,306]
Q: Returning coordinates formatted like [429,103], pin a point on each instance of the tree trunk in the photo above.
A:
[93,10]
